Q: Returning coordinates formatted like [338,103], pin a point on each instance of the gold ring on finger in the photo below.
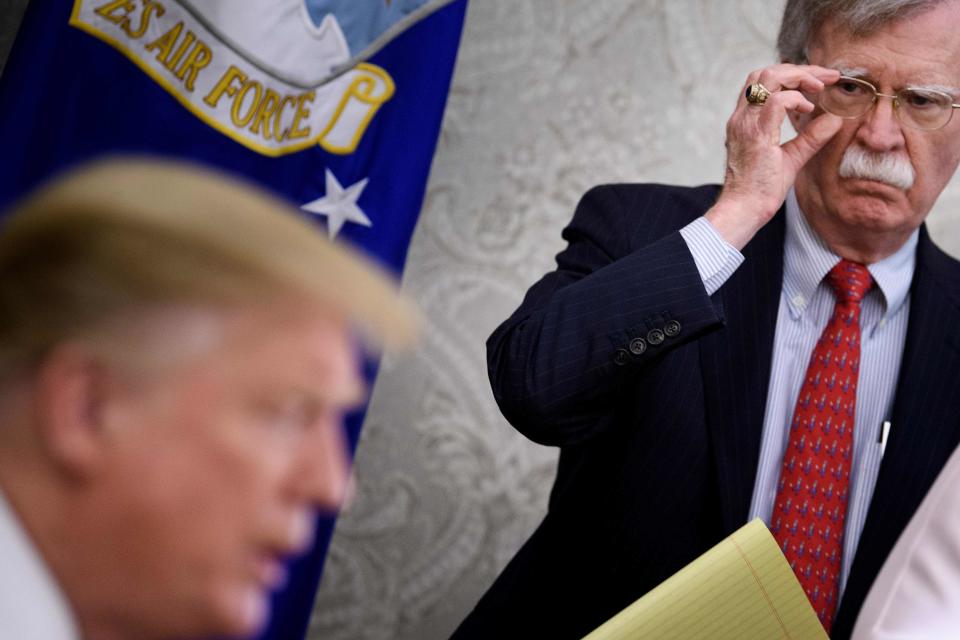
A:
[757,94]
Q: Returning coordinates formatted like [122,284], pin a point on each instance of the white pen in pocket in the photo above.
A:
[883,435]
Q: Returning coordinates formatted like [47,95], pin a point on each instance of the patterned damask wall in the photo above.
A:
[548,99]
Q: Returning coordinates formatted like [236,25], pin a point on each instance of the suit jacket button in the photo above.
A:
[672,328]
[655,336]
[621,357]
[637,346]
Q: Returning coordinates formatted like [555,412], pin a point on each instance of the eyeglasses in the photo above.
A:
[926,109]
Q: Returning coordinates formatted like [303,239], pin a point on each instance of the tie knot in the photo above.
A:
[850,281]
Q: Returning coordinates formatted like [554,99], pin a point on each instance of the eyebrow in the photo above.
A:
[852,72]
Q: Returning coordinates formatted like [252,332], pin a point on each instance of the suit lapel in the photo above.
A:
[925,423]
[736,368]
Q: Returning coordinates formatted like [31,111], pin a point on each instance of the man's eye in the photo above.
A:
[291,414]
[851,88]
[920,100]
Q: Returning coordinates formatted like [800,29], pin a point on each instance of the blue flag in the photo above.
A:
[334,104]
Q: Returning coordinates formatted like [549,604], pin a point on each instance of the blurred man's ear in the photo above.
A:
[71,389]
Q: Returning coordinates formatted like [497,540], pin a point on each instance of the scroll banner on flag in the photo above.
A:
[334,105]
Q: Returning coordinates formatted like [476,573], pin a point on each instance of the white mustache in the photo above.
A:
[890,168]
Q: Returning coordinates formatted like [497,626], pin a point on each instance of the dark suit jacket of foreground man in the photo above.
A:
[659,450]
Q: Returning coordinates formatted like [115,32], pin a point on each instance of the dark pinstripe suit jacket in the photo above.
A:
[659,449]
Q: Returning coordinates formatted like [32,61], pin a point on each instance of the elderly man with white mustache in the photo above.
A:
[780,347]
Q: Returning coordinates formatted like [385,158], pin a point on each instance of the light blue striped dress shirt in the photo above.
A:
[806,303]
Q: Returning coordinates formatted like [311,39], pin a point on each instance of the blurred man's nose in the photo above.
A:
[322,475]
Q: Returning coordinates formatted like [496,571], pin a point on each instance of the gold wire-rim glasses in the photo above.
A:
[916,107]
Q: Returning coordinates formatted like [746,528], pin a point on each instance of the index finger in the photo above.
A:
[788,76]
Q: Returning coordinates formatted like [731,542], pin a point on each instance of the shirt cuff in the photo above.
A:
[716,259]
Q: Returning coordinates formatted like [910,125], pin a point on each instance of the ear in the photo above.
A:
[71,386]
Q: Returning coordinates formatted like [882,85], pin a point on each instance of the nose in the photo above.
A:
[322,475]
[880,130]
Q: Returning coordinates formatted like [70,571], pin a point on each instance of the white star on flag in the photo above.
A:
[339,204]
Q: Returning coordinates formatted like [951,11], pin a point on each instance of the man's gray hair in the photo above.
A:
[803,18]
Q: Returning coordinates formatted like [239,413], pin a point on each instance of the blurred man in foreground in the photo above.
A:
[176,352]
[704,356]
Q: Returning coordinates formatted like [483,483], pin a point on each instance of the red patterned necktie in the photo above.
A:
[811,505]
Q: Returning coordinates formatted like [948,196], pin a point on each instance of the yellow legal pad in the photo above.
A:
[740,589]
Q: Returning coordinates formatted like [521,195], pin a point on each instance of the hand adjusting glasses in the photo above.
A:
[916,107]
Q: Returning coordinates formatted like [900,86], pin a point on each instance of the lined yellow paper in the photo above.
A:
[741,589]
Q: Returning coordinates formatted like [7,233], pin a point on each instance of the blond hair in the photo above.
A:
[131,233]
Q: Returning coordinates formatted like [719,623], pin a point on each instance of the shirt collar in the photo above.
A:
[31,603]
[807,260]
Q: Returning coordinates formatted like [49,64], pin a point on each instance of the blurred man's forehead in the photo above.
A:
[157,338]
[291,343]
[305,346]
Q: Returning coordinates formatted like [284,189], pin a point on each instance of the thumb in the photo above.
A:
[812,138]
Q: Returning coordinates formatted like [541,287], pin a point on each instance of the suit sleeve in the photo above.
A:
[560,363]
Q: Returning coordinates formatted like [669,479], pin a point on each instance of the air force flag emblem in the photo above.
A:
[277,76]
